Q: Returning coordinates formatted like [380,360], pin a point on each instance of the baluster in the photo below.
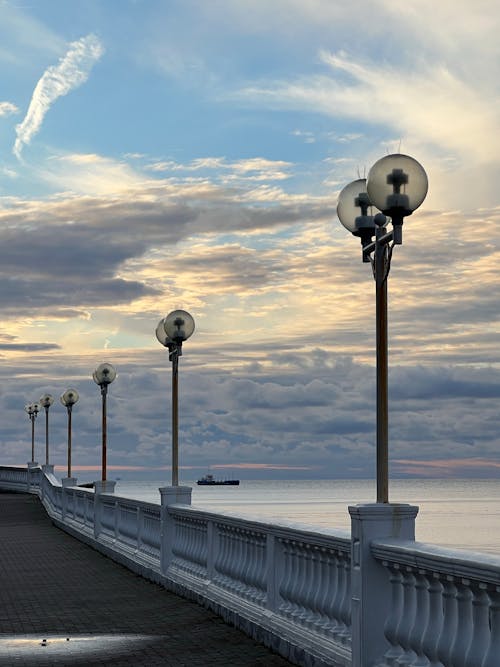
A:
[187,542]
[421,620]
[248,556]
[331,623]
[395,614]
[201,542]
[450,620]
[261,577]
[345,604]
[231,544]
[224,551]
[463,637]
[284,585]
[191,527]
[204,550]
[298,582]
[324,591]
[305,617]
[195,531]
[229,553]
[435,621]
[249,563]
[255,576]
[240,562]
[196,528]
[341,585]
[408,617]
[308,590]
[480,625]
[320,585]
[234,562]
[295,580]
[177,541]
[493,651]
[179,546]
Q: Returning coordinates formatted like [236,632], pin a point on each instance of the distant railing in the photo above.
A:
[321,599]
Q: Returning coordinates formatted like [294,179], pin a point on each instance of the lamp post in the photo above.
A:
[68,399]
[32,409]
[396,185]
[104,375]
[171,332]
[46,401]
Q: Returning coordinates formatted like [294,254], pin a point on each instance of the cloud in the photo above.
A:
[7,108]
[466,129]
[29,347]
[71,71]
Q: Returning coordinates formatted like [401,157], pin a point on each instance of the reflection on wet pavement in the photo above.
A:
[70,649]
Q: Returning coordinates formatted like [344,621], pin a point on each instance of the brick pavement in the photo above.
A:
[63,603]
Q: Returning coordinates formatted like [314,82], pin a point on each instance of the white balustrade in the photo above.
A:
[444,606]
[441,608]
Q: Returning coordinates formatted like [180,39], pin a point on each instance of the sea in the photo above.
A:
[456,513]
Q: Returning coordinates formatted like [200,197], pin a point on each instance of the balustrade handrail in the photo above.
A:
[474,565]
[336,539]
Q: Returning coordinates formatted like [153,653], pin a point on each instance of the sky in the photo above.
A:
[157,155]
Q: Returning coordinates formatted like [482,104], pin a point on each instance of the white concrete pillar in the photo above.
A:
[370,585]
[100,487]
[170,495]
[66,481]
[32,465]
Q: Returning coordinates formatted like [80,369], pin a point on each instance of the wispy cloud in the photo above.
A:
[71,71]
[7,108]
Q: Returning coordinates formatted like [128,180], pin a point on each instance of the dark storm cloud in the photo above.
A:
[22,295]
[68,252]
[29,347]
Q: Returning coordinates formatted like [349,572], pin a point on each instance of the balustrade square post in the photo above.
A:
[32,466]
[66,481]
[370,585]
[170,495]
[274,571]
[47,469]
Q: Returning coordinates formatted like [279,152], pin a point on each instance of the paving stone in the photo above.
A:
[55,588]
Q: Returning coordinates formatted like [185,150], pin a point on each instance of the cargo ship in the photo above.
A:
[209,480]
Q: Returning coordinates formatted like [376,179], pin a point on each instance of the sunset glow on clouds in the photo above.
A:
[189,155]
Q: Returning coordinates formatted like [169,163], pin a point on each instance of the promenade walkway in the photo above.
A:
[63,603]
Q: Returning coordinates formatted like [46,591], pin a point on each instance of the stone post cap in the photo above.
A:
[69,481]
[175,495]
[383,511]
[106,486]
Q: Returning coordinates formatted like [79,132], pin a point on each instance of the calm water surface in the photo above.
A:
[456,513]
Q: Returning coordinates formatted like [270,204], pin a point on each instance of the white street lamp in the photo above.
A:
[171,332]
[396,185]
